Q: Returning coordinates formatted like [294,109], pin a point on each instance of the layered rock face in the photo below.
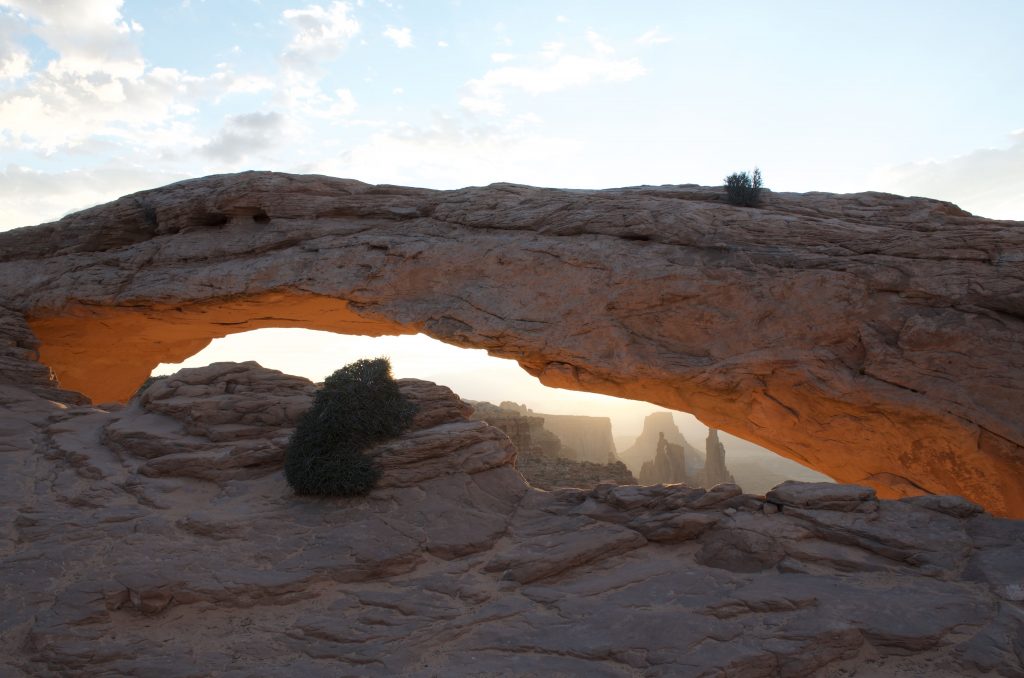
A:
[590,437]
[527,432]
[658,426]
[552,473]
[670,465]
[875,338]
[667,466]
[220,422]
[541,458]
[455,566]
[583,438]
[715,470]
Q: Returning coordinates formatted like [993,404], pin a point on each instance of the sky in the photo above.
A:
[100,98]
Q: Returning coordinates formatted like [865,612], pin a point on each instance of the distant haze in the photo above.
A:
[471,373]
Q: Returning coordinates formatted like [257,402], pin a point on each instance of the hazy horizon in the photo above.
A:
[471,373]
[98,98]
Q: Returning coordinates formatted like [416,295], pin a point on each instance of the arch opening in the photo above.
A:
[107,351]
[591,427]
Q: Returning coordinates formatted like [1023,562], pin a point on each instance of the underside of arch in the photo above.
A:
[106,353]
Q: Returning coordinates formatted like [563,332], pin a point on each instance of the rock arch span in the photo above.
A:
[876,338]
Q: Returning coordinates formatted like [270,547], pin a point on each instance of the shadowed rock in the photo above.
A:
[828,496]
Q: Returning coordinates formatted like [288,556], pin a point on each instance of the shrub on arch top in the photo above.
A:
[359,406]
[743,189]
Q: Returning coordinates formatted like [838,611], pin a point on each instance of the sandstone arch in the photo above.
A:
[878,339]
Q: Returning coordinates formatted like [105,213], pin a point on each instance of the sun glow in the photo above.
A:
[471,373]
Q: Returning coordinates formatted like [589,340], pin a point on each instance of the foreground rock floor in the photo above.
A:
[160,539]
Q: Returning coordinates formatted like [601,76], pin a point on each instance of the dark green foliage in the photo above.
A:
[743,189]
[359,406]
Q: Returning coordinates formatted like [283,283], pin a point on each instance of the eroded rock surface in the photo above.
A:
[540,455]
[548,473]
[875,338]
[223,421]
[233,420]
[455,566]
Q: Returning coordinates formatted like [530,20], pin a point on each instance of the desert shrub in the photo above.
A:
[359,406]
[743,189]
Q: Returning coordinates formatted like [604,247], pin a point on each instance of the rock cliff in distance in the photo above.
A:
[587,438]
[646,444]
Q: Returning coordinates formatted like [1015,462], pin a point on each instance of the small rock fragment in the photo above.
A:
[821,496]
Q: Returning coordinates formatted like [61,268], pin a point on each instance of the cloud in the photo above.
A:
[553,70]
[502,57]
[244,135]
[51,112]
[453,150]
[653,37]
[551,50]
[988,182]
[598,44]
[442,44]
[30,197]
[14,59]
[97,86]
[90,35]
[344,103]
[402,37]
[318,33]
[300,94]
[14,65]
[246,84]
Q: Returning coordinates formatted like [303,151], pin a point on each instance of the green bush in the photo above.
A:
[743,189]
[359,406]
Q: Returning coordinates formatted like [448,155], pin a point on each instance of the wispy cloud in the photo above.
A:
[97,85]
[598,44]
[244,135]
[344,103]
[552,70]
[402,37]
[14,58]
[30,196]
[988,182]
[90,36]
[450,148]
[318,33]
[653,37]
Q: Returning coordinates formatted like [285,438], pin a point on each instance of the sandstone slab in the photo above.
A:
[824,496]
